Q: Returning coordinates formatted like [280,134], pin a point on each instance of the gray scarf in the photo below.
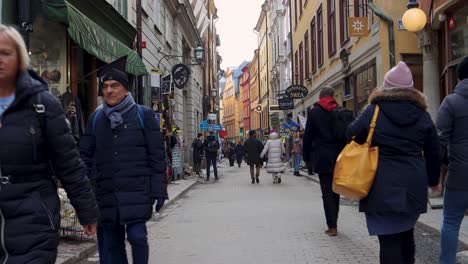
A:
[115,113]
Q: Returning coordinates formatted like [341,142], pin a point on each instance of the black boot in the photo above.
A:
[253,180]
[258,180]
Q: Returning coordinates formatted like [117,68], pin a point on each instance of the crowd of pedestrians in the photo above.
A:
[117,176]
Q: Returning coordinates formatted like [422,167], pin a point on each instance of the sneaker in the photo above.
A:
[207,179]
[216,178]
[331,232]
[279,180]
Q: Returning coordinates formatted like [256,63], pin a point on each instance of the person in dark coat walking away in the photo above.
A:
[35,143]
[231,153]
[124,142]
[197,146]
[319,133]
[452,123]
[211,146]
[239,153]
[252,150]
[409,161]
[297,151]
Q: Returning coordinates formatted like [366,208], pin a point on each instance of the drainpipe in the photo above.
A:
[291,42]
[391,34]
[139,88]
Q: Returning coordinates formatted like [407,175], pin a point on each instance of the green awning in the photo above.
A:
[98,42]
[55,10]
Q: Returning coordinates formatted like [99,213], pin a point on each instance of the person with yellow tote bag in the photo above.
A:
[356,165]
[408,162]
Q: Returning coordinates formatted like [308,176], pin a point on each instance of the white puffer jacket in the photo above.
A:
[274,148]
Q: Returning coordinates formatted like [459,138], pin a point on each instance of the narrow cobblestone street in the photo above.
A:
[234,221]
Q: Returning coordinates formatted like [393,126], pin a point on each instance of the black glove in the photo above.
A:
[160,204]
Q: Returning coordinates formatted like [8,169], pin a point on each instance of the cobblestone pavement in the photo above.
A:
[234,221]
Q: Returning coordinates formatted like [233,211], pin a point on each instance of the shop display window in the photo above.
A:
[48,53]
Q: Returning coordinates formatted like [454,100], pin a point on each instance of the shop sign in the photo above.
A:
[204,125]
[212,116]
[275,121]
[286,103]
[297,91]
[274,108]
[166,84]
[358,26]
[180,75]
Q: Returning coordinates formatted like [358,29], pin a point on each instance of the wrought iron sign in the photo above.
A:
[296,91]
[180,75]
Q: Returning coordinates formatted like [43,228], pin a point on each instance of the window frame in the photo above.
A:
[331,16]
[313,41]
[301,64]
[306,55]
[320,51]
[296,67]
[344,15]
[359,8]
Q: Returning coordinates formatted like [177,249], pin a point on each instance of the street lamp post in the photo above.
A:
[414,19]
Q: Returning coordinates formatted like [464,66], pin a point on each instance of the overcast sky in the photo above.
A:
[237,19]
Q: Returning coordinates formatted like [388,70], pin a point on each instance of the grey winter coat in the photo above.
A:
[452,125]
[274,148]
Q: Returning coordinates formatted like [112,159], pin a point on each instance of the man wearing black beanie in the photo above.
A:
[452,123]
[124,144]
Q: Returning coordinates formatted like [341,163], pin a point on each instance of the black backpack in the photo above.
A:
[342,118]
[213,146]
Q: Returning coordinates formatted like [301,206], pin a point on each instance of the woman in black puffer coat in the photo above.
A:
[34,141]
[409,162]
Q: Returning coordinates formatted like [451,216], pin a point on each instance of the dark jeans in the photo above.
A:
[331,200]
[197,166]
[397,248]
[137,235]
[102,245]
[209,161]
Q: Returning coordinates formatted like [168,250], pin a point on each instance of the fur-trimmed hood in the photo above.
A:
[403,106]
[399,94]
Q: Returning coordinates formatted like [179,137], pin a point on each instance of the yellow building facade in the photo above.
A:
[264,61]
[254,86]
[325,53]
[231,108]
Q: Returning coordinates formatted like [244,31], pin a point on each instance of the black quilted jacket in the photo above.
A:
[29,205]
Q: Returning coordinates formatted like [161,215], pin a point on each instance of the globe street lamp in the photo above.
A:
[414,19]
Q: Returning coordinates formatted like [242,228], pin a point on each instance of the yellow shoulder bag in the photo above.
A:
[356,166]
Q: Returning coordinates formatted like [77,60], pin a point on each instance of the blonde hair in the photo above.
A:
[15,36]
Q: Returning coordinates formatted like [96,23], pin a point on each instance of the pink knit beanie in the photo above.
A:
[399,77]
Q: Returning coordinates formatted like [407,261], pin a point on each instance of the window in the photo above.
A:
[121,6]
[344,14]
[331,28]
[313,42]
[157,14]
[169,31]
[301,63]
[360,8]
[320,36]
[296,68]
[306,50]
[365,83]
[300,8]
[295,12]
